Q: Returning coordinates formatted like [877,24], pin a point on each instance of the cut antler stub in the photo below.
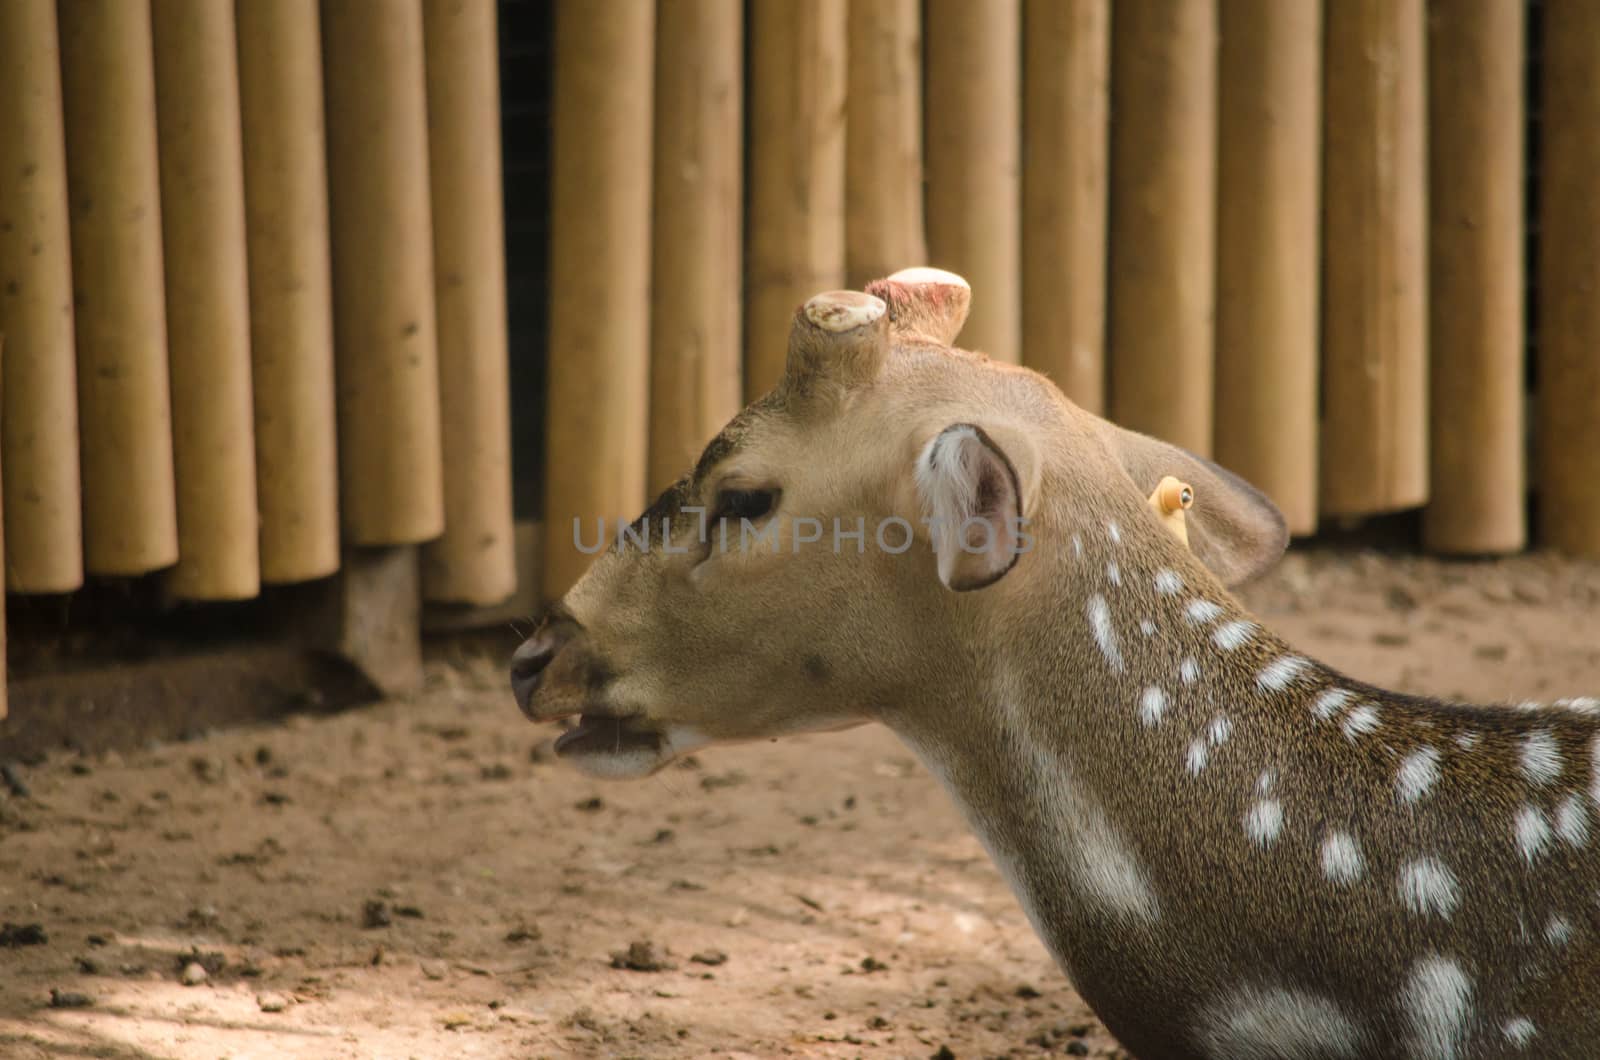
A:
[838,335]
[925,303]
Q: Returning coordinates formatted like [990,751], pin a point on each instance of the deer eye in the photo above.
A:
[750,504]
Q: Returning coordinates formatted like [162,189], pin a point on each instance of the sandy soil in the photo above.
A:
[419,879]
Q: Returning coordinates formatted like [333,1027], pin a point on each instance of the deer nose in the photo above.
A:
[529,661]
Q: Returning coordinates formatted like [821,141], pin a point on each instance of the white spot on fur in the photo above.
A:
[1077,546]
[1341,858]
[1101,863]
[1168,583]
[1189,671]
[1113,573]
[1331,702]
[1557,930]
[1519,1031]
[1265,781]
[1079,840]
[1417,775]
[1467,740]
[1540,757]
[1594,770]
[1276,675]
[1199,612]
[1197,755]
[1104,635]
[1438,1000]
[1233,635]
[1152,704]
[1572,820]
[1428,886]
[1581,704]
[1219,731]
[1530,704]
[1360,721]
[1275,1023]
[1116,533]
[1107,871]
[1264,821]
[1147,627]
[1532,832]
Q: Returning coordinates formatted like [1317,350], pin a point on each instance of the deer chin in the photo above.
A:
[621,747]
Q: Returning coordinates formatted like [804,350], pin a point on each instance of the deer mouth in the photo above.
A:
[600,734]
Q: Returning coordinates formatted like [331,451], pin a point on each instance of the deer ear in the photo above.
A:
[927,304]
[1233,528]
[972,499]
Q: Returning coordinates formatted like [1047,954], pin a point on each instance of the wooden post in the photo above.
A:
[1478,493]
[1269,133]
[43,525]
[599,371]
[1568,413]
[113,183]
[1163,211]
[695,384]
[795,240]
[883,136]
[474,561]
[391,486]
[1067,65]
[291,297]
[974,131]
[1374,266]
[208,300]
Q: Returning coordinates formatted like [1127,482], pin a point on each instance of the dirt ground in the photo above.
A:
[420,879]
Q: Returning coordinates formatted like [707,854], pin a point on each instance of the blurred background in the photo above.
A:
[313,315]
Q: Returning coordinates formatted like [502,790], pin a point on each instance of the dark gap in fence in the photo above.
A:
[1533,71]
[527,69]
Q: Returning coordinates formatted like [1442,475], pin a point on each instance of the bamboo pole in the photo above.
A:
[1163,209]
[1374,273]
[598,391]
[1269,134]
[1568,412]
[291,298]
[208,300]
[1067,66]
[43,525]
[113,184]
[1478,490]
[695,384]
[795,239]
[391,484]
[883,141]
[474,562]
[974,131]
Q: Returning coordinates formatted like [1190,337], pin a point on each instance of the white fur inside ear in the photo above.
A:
[947,479]
[969,499]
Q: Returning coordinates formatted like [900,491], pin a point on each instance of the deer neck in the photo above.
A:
[1203,823]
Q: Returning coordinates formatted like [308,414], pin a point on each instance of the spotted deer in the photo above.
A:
[1232,850]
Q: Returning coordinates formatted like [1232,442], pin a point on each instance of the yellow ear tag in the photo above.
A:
[1169,501]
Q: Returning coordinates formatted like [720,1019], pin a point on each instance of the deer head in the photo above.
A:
[892,507]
